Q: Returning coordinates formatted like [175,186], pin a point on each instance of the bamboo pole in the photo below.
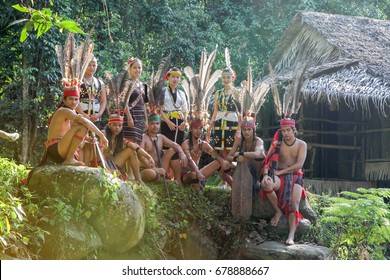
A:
[332,132]
[354,154]
[330,121]
[331,146]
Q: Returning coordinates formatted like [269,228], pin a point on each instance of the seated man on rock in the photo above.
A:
[67,129]
[193,148]
[283,173]
[248,147]
[153,144]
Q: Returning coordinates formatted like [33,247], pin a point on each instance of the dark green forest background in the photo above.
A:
[148,29]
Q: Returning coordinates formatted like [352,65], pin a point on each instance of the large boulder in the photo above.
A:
[195,245]
[69,241]
[282,228]
[272,250]
[262,209]
[109,204]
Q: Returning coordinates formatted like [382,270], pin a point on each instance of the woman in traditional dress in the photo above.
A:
[120,151]
[175,108]
[225,116]
[135,113]
[93,97]
[174,116]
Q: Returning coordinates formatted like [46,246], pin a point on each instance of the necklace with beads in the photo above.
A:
[289,145]
[198,151]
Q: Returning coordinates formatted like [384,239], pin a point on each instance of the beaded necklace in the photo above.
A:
[197,153]
[289,145]
[90,88]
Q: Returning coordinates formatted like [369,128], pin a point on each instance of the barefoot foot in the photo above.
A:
[289,241]
[73,162]
[275,219]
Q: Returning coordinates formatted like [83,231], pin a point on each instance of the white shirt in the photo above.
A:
[180,104]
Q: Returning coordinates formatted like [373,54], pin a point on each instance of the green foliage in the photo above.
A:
[173,211]
[146,29]
[41,21]
[17,232]
[355,225]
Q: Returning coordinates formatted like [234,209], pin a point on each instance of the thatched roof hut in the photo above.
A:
[346,92]
[349,59]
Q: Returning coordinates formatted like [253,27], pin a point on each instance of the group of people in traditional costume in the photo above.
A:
[145,137]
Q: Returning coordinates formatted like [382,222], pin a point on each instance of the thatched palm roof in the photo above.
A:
[349,58]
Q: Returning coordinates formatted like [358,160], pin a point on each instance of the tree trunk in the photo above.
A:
[25,112]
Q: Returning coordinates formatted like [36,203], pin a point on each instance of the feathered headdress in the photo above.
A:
[252,99]
[229,70]
[291,99]
[74,60]
[156,98]
[119,90]
[200,87]
[73,63]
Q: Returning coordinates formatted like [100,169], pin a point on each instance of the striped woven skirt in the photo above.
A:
[135,134]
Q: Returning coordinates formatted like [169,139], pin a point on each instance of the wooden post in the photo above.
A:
[242,192]
[355,153]
[363,150]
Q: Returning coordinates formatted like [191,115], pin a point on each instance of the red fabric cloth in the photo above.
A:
[273,154]
[115,120]
[287,122]
[298,216]
[264,194]
[71,92]
[248,123]
[280,191]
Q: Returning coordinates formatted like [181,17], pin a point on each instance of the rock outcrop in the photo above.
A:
[110,215]
[272,250]
[262,209]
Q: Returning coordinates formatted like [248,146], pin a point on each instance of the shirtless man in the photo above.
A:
[68,129]
[193,147]
[152,174]
[288,177]
[248,147]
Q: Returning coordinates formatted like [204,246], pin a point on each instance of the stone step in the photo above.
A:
[272,250]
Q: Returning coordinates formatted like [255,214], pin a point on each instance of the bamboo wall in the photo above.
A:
[341,144]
